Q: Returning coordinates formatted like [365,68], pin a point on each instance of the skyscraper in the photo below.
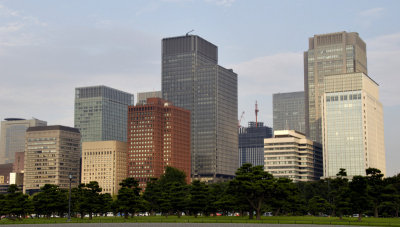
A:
[288,111]
[101,113]
[352,123]
[328,54]
[193,80]
[52,154]
[13,137]
[159,136]
[251,143]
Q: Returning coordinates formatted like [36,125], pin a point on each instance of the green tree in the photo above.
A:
[17,204]
[152,196]
[339,192]
[2,202]
[87,198]
[359,198]
[105,204]
[128,199]
[255,185]
[51,199]
[375,188]
[198,197]
[318,205]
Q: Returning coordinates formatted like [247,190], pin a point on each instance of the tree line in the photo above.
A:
[252,192]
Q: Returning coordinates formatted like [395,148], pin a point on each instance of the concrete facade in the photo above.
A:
[328,54]
[106,163]
[291,155]
[352,122]
[143,96]
[52,153]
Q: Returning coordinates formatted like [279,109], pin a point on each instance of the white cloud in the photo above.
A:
[374,12]
[225,3]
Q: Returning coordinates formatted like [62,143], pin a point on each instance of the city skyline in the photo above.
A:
[117,50]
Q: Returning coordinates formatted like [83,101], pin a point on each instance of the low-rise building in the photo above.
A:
[291,155]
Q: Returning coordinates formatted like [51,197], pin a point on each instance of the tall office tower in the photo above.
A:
[104,162]
[52,153]
[13,137]
[158,136]
[288,111]
[193,80]
[328,54]
[251,143]
[352,118]
[143,96]
[291,155]
[101,113]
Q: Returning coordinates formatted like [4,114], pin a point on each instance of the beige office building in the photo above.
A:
[291,155]
[104,162]
[328,54]
[352,122]
[52,153]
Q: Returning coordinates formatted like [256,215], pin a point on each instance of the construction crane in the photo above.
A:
[240,119]
[256,111]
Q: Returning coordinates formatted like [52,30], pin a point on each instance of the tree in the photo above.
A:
[318,205]
[255,185]
[198,197]
[105,203]
[152,196]
[17,204]
[87,198]
[339,192]
[375,183]
[128,200]
[359,198]
[51,199]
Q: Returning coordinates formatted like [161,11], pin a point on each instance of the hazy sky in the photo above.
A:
[47,48]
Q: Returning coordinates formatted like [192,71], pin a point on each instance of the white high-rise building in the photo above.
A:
[352,125]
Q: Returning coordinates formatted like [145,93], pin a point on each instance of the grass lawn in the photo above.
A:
[218,219]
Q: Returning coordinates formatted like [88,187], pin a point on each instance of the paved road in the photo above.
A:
[164,225]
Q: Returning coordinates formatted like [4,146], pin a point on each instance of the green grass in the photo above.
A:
[220,219]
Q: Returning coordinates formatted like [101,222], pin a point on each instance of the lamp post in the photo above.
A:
[69,198]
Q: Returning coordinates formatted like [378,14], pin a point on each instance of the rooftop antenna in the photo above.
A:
[187,33]
[256,111]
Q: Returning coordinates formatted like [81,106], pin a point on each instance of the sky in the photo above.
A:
[47,48]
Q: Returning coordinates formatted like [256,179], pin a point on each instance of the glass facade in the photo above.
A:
[101,113]
[328,54]
[13,132]
[251,143]
[192,79]
[344,133]
[288,111]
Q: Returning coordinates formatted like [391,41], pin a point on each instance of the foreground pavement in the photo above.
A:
[167,225]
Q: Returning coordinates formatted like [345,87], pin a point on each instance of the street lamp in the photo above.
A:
[69,198]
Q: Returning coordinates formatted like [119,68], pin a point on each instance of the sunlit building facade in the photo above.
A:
[290,154]
[106,163]
[352,122]
[328,54]
[159,136]
[52,153]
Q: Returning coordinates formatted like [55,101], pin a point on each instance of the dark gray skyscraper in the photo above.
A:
[101,113]
[251,143]
[192,79]
[288,111]
[328,54]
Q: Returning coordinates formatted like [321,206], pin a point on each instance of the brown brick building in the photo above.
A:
[158,136]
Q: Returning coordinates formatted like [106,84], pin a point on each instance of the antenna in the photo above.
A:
[187,33]
[256,111]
